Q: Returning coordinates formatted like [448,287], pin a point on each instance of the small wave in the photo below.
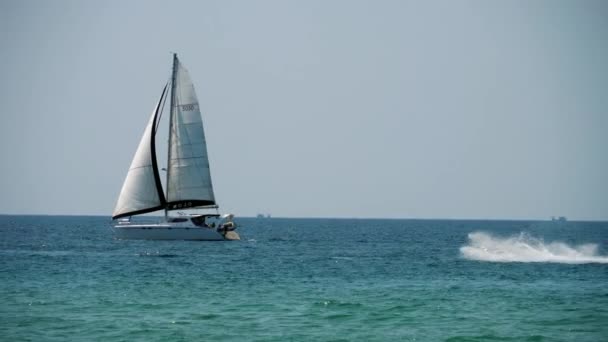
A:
[525,248]
[338,304]
[157,254]
[341,258]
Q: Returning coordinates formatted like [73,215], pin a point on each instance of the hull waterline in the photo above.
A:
[158,232]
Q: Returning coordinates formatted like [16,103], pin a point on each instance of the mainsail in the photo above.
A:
[142,190]
[188,176]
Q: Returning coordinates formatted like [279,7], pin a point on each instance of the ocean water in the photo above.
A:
[67,279]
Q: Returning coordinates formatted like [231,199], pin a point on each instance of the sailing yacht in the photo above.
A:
[188,180]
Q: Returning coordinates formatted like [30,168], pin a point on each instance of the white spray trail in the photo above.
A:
[525,248]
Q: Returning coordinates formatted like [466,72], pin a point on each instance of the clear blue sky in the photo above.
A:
[427,109]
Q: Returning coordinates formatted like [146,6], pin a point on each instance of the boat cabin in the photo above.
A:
[201,220]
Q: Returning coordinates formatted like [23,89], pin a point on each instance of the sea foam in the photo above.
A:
[525,248]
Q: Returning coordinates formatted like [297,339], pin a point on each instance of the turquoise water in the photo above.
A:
[66,278]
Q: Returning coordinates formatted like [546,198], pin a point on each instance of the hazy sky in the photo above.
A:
[426,109]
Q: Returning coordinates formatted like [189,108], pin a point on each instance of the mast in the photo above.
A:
[171,113]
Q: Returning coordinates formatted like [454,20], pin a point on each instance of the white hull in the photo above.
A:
[165,232]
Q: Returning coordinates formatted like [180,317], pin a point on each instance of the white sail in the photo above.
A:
[188,175]
[142,190]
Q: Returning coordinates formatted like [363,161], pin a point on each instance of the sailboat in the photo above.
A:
[188,179]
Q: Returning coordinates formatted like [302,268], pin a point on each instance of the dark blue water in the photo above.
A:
[66,278]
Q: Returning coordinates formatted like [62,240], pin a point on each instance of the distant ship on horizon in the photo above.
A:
[559,219]
[261,216]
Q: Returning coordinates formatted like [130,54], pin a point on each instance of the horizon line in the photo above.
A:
[348,218]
